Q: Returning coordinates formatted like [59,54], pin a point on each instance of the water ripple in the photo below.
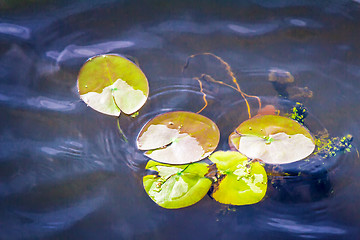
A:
[21,224]
[74,51]
[18,97]
[299,228]
[252,29]
[51,104]
[15,30]
[303,22]
[182,26]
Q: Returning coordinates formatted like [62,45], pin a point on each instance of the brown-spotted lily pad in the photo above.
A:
[273,139]
[241,182]
[177,186]
[178,137]
[112,84]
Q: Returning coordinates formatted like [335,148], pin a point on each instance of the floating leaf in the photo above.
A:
[111,84]
[178,137]
[234,140]
[177,186]
[241,182]
[273,139]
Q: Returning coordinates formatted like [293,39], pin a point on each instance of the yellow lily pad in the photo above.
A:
[111,84]
[241,182]
[178,137]
[176,186]
[273,139]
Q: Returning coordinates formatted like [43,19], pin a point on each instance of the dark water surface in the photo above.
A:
[65,171]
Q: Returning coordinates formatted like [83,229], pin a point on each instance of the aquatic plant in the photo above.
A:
[111,84]
[239,180]
[178,137]
[273,139]
[177,186]
[177,141]
[234,81]
[185,137]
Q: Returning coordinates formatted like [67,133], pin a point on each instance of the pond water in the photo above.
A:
[67,173]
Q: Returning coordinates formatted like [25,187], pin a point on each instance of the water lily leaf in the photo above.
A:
[178,137]
[177,186]
[234,140]
[241,182]
[273,139]
[111,84]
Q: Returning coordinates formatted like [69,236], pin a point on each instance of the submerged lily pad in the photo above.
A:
[178,137]
[273,139]
[241,182]
[111,84]
[177,186]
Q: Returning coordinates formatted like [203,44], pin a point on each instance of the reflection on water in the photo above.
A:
[74,51]
[66,171]
[15,30]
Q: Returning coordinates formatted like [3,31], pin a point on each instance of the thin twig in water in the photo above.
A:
[121,131]
[204,95]
[232,76]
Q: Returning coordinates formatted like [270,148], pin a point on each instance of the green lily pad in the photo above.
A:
[111,84]
[273,139]
[178,137]
[177,186]
[241,182]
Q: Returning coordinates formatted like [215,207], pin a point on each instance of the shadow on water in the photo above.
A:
[67,173]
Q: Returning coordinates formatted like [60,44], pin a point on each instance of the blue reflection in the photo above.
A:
[75,51]
[15,30]
[24,224]
[252,29]
[299,228]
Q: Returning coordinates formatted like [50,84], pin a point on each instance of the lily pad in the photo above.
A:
[273,139]
[111,84]
[241,182]
[178,137]
[177,186]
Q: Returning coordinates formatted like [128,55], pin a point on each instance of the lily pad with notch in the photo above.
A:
[111,84]
[177,186]
[240,182]
[273,139]
[178,137]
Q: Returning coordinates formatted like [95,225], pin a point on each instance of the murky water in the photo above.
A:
[65,170]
